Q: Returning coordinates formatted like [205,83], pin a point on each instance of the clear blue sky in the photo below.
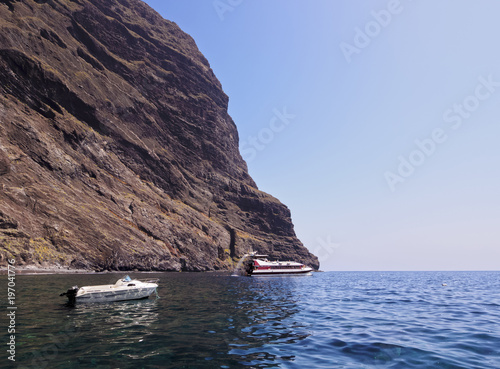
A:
[377,123]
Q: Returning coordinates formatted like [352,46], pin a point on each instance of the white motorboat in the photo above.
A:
[124,289]
[259,265]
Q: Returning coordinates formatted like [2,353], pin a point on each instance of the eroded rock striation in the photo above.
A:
[116,148]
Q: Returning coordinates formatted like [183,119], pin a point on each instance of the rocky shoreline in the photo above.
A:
[31,269]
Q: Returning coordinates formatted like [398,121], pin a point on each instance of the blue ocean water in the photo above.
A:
[209,320]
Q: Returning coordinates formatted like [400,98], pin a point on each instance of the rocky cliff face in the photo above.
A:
[116,148]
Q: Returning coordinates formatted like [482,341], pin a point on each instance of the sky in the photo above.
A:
[376,122]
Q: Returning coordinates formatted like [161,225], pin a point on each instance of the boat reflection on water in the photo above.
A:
[128,322]
[270,306]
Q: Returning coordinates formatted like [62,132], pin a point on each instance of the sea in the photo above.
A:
[215,320]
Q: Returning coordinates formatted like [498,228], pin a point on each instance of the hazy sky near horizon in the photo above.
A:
[377,123]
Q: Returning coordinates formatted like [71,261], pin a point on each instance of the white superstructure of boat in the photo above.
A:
[124,289]
[259,265]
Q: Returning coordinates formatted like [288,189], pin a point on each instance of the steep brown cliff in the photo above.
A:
[116,148]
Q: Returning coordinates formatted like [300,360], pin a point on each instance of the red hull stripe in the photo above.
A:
[268,273]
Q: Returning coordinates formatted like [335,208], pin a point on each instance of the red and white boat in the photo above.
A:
[259,265]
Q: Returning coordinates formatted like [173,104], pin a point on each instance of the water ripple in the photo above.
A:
[329,320]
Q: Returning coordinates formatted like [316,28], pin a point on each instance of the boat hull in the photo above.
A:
[124,289]
[261,266]
[113,296]
[279,273]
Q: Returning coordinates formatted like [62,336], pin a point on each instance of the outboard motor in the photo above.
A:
[71,293]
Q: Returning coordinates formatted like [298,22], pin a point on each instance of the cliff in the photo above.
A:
[116,148]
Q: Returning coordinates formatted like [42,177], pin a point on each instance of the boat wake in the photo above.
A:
[238,271]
